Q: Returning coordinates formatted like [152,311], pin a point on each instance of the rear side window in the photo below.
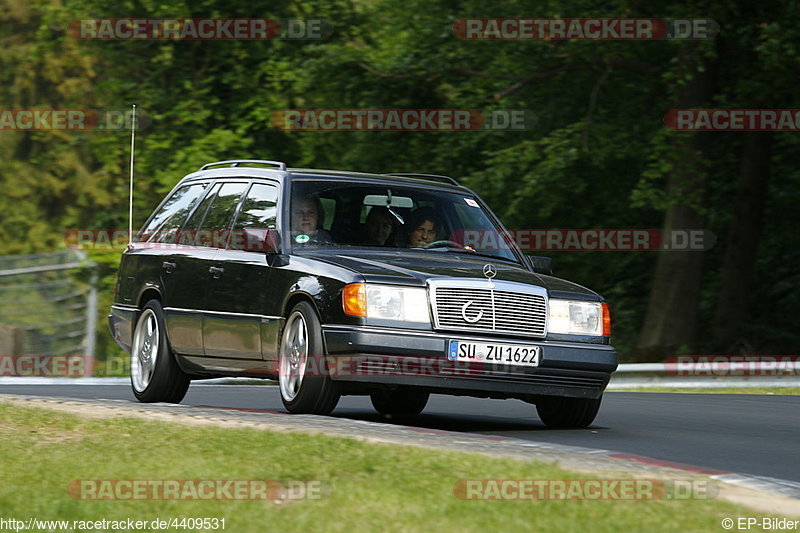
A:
[220,214]
[211,229]
[189,233]
[169,218]
[259,209]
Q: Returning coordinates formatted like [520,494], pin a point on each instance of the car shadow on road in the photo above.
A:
[457,423]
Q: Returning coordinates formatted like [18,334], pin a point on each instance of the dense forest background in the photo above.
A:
[599,155]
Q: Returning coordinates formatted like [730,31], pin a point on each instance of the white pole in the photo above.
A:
[130,192]
[91,324]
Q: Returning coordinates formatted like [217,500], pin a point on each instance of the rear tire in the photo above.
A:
[560,412]
[399,401]
[303,378]
[155,375]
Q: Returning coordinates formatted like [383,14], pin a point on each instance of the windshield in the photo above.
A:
[335,214]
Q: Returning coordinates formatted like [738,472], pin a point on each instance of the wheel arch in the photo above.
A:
[297,297]
[294,299]
[150,293]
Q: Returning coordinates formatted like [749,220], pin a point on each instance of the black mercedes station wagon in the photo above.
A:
[394,286]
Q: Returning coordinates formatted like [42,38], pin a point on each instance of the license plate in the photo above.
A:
[497,353]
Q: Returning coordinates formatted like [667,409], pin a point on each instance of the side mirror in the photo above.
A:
[272,242]
[266,241]
[540,264]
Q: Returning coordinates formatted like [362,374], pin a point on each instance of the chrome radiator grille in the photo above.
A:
[470,305]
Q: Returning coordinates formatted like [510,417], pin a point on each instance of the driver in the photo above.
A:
[307,217]
[421,227]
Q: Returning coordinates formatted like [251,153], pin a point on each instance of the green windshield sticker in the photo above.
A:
[302,239]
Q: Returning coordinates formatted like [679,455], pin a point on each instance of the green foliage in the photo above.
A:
[598,155]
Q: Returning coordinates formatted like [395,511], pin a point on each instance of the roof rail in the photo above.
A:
[426,176]
[236,162]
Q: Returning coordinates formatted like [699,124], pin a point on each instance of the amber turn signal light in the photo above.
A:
[606,319]
[354,299]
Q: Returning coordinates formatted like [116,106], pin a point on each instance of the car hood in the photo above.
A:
[415,267]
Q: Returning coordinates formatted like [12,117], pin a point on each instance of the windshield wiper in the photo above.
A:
[474,252]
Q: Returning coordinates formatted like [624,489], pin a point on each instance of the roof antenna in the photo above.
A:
[130,192]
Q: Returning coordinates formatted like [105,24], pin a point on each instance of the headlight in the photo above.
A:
[386,302]
[574,317]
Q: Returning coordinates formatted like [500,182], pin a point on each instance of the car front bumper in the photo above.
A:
[419,359]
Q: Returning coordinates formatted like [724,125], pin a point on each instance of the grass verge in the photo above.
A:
[367,487]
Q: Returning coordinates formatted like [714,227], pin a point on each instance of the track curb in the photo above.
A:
[763,494]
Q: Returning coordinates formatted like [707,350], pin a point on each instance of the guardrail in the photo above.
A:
[48,305]
[735,374]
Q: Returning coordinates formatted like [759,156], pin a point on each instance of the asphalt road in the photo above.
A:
[748,434]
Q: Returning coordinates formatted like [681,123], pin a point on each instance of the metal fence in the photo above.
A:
[48,305]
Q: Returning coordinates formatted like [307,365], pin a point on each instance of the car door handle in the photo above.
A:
[168,266]
[216,271]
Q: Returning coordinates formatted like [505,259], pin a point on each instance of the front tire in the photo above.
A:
[306,387]
[560,412]
[155,375]
[399,402]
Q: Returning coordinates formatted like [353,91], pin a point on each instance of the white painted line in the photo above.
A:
[781,487]
[623,383]
[727,364]
[19,380]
